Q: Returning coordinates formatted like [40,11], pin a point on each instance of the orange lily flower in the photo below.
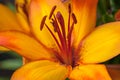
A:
[59,42]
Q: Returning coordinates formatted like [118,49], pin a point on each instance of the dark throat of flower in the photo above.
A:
[65,38]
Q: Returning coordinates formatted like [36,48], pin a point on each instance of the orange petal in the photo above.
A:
[24,45]
[8,20]
[25,60]
[90,72]
[39,9]
[102,44]
[41,70]
[85,11]
[117,15]
[3,49]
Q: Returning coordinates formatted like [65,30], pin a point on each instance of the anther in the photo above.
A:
[54,25]
[74,18]
[43,22]
[60,19]
[69,7]
[52,11]
[69,11]
[61,22]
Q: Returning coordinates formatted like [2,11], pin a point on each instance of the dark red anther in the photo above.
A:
[54,25]
[74,18]
[60,19]
[43,22]
[52,11]
[61,22]
[69,7]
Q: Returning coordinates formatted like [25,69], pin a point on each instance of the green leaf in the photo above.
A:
[4,78]
[102,6]
[107,18]
[10,64]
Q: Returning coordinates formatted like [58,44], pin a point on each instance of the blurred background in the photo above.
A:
[10,61]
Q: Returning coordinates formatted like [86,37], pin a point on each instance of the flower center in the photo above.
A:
[64,43]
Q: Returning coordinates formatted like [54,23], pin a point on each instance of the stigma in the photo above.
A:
[64,39]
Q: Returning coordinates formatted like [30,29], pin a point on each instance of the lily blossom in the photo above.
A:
[58,39]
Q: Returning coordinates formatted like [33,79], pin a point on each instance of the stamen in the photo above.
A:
[74,18]
[53,36]
[64,39]
[72,26]
[53,23]
[59,57]
[63,42]
[69,11]
[69,7]
[43,22]
[61,22]
[56,27]
[52,11]
[70,32]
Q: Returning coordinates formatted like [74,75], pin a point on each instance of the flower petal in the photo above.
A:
[8,20]
[3,49]
[39,9]
[90,72]
[41,70]
[117,15]
[102,44]
[24,45]
[85,11]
